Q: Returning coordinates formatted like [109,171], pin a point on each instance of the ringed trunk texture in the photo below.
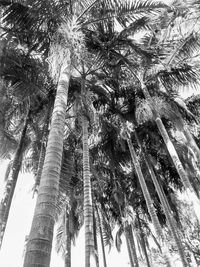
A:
[39,244]
[166,209]
[88,210]
[11,183]
[148,201]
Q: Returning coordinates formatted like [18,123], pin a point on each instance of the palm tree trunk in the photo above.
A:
[95,240]
[42,151]
[142,240]
[165,205]
[101,236]
[11,182]
[39,245]
[148,199]
[68,245]
[129,235]
[129,249]
[88,208]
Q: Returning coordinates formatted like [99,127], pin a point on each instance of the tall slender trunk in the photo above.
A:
[39,245]
[11,182]
[165,206]
[95,240]
[101,236]
[42,151]
[142,240]
[170,147]
[88,217]
[68,244]
[148,199]
[129,249]
[130,237]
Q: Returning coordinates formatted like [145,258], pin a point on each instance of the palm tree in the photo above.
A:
[165,205]
[12,180]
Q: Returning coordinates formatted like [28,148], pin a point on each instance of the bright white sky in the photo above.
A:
[18,227]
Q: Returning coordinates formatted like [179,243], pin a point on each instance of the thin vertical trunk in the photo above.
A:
[95,240]
[42,150]
[88,218]
[148,199]
[101,236]
[39,245]
[142,240]
[68,244]
[165,205]
[129,249]
[132,245]
[11,182]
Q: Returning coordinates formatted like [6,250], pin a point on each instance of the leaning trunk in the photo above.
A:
[39,245]
[11,183]
[165,206]
[148,199]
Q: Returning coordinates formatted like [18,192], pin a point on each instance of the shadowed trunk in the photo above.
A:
[142,240]
[39,245]
[11,182]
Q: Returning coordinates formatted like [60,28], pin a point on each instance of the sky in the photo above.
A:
[19,224]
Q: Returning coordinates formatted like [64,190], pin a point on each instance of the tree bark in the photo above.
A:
[39,245]
[11,182]
[88,217]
